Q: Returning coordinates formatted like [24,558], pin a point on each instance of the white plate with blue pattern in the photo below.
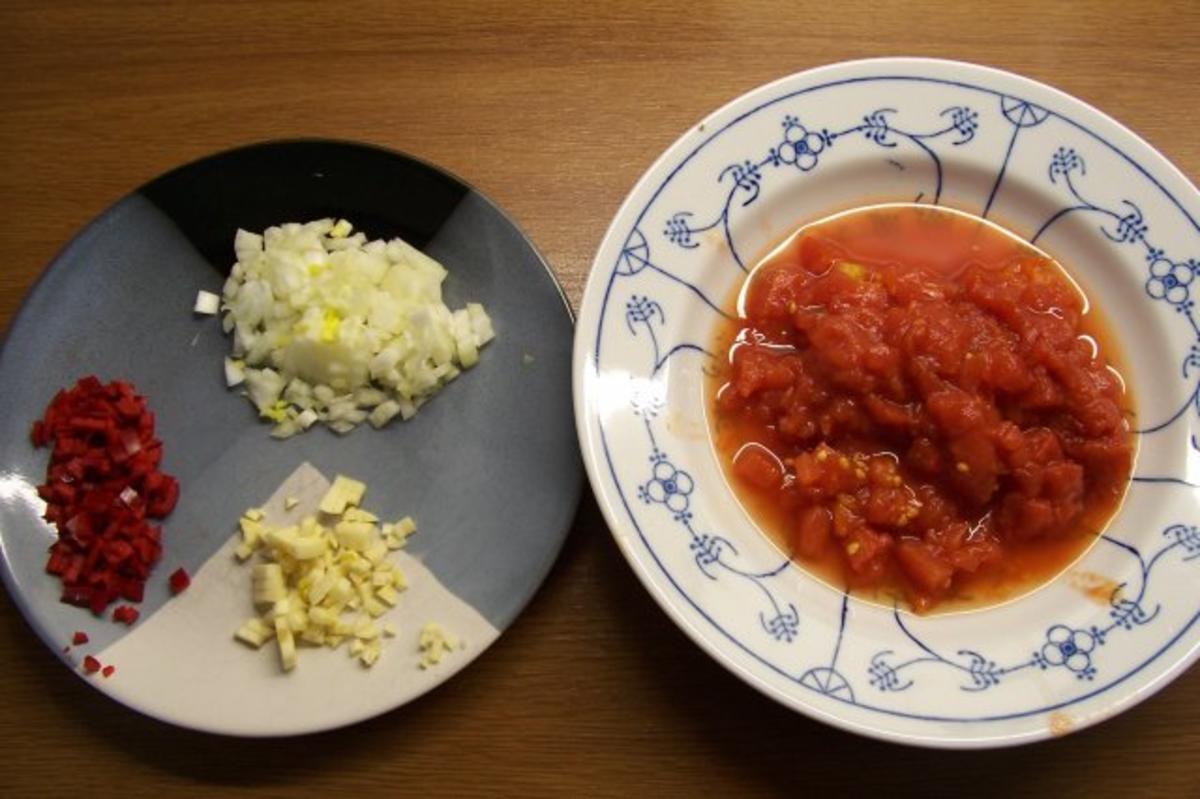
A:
[1046,166]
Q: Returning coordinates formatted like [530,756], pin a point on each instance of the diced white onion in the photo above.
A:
[207,303]
[235,372]
[330,326]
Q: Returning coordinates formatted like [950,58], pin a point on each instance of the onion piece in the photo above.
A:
[332,327]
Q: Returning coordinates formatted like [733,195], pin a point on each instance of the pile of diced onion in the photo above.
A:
[330,327]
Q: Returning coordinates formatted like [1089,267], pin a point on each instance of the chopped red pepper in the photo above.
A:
[91,665]
[79,638]
[179,580]
[102,485]
[107,671]
[126,614]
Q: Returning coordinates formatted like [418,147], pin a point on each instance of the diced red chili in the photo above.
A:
[179,580]
[91,665]
[107,671]
[102,484]
[79,638]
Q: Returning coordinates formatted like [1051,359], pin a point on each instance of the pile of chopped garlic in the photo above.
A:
[434,643]
[325,580]
[330,327]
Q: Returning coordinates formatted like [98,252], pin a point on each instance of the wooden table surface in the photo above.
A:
[554,112]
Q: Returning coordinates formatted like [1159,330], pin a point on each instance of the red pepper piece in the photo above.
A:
[179,580]
[79,638]
[132,590]
[117,551]
[38,434]
[102,484]
[128,407]
[79,596]
[126,614]
[57,564]
[107,671]
[99,602]
[164,499]
[91,665]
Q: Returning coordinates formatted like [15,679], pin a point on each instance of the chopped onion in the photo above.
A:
[207,303]
[328,326]
[235,372]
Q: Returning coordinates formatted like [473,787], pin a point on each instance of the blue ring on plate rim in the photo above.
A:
[633,229]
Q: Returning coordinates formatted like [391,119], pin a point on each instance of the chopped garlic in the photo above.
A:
[387,594]
[251,530]
[287,644]
[343,493]
[254,632]
[323,580]
[434,644]
[354,535]
[267,586]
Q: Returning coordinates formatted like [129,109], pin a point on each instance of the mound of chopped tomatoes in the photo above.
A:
[920,422]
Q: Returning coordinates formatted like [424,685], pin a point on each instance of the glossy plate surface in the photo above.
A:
[489,468]
[1048,167]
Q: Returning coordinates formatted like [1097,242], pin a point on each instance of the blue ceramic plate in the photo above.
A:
[489,468]
[1048,167]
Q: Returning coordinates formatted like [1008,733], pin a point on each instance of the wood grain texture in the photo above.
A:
[554,111]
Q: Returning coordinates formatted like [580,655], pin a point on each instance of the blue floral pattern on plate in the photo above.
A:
[999,147]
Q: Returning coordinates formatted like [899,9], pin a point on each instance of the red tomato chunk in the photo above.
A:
[923,396]
[102,487]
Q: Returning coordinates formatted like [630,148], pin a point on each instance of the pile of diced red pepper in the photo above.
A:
[102,487]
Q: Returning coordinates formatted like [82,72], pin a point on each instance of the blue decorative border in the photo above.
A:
[801,148]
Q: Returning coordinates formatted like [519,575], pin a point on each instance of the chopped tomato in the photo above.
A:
[928,393]
[928,572]
[758,466]
[813,530]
